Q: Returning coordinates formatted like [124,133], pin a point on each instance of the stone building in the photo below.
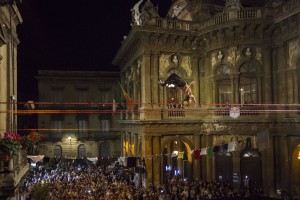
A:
[76,114]
[217,87]
[15,169]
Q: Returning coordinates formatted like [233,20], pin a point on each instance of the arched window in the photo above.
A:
[223,85]
[174,81]
[57,151]
[248,83]
[81,151]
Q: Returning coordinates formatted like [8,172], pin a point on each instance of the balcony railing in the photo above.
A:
[173,24]
[220,18]
[254,111]
[289,5]
[11,173]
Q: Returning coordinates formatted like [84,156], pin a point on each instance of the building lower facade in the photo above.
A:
[217,90]
[13,169]
[76,114]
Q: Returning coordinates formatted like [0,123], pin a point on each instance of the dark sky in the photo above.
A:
[71,35]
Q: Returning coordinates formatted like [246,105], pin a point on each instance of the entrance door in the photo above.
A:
[224,167]
[251,168]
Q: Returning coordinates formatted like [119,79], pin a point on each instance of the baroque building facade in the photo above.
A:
[15,169]
[81,123]
[216,91]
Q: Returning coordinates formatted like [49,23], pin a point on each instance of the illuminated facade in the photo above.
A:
[215,75]
[15,169]
[81,123]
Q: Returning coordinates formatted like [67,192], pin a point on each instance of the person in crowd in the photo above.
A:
[85,181]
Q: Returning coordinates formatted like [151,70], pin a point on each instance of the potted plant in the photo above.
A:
[10,145]
[29,141]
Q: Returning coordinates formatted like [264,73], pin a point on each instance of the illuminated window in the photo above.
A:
[223,84]
[248,84]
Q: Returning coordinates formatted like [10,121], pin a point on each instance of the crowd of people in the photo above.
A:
[73,179]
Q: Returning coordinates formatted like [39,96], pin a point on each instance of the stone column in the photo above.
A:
[281,74]
[197,162]
[180,160]
[259,82]
[213,90]
[148,159]
[295,83]
[196,78]
[123,140]
[136,144]
[236,90]
[129,144]
[154,79]
[232,90]
[202,82]
[284,159]
[145,81]
[267,73]
[207,83]
[156,160]
[209,161]
[268,168]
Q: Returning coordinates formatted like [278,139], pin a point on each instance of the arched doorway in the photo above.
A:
[224,167]
[177,159]
[251,175]
[81,151]
[296,169]
[57,151]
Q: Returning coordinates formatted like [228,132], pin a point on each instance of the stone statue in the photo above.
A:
[176,11]
[248,52]
[220,56]
[136,14]
[233,5]
[148,12]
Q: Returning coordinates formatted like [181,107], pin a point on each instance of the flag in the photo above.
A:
[116,100]
[180,155]
[223,148]
[216,149]
[173,154]
[262,140]
[114,106]
[210,152]
[129,101]
[231,146]
[203,151]
[197,154]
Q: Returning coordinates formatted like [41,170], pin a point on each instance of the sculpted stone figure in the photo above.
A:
[136,14]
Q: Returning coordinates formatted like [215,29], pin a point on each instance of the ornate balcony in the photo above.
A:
[11,174]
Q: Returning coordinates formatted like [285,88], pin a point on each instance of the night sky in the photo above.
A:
[71,35]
